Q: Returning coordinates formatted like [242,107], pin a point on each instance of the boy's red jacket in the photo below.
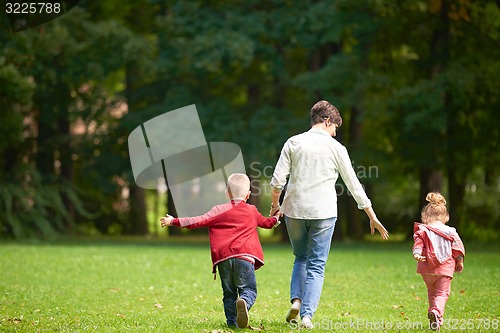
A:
[232,228]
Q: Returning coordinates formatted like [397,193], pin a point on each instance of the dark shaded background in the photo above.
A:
[416,82]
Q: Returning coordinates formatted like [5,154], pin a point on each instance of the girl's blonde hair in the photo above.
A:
[435,210]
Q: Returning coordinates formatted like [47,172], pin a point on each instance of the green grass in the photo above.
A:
[166,286]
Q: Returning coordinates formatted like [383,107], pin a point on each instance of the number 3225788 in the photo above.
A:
[32,8]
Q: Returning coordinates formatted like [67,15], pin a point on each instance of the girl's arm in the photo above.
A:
[458,252]
[418,248]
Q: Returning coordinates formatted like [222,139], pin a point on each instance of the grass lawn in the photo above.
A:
[167,286]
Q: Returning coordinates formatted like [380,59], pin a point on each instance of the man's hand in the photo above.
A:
[375,224]
[166,221]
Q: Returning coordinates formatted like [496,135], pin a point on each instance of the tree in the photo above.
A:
[64,59]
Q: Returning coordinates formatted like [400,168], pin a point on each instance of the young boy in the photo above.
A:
[235,246]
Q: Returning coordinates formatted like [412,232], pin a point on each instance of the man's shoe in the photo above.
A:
[307,323]
[241,313]
[293,313]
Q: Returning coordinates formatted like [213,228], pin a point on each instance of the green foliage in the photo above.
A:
[482,212]
[36,206]
[33,210]
[15,98]
[417,88]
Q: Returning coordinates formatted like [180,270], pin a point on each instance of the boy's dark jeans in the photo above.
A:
[238,279]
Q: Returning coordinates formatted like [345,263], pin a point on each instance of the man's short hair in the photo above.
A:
[323,110]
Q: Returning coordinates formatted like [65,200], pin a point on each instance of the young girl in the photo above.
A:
[439,252]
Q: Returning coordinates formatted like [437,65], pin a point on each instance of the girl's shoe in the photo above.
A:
[434,322]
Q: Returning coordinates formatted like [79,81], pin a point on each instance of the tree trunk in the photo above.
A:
[137,213]
[456,193]
[490,173]
[54,141]
[45,150]
[139,223]
[354,226]
[431,176]
[172,231]
[430,181]
[64,149]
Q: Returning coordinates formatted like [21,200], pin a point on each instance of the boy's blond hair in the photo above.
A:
[238,186]
[435,210]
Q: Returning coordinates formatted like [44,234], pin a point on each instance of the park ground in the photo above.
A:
[132,285]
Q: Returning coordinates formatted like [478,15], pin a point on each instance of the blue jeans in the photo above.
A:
[311,241]
[238,280]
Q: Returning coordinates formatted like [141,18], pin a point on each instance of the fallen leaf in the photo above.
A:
[15,320]
[462,291]
[120,315]
[253,328]
[417,298]
[158,305]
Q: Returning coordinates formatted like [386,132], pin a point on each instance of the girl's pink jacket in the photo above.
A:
[441,246]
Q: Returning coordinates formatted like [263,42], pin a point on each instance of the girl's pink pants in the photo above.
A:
[438,290]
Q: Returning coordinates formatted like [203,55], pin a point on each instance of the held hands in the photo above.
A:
[166,220]
[275,211]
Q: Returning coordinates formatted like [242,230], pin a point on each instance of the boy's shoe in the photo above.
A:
[307,323]
[434,322]
[241,313]
[293,313]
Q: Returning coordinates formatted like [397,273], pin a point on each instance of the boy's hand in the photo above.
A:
[419,257]
[166,221]
[277,214]
[459,266]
